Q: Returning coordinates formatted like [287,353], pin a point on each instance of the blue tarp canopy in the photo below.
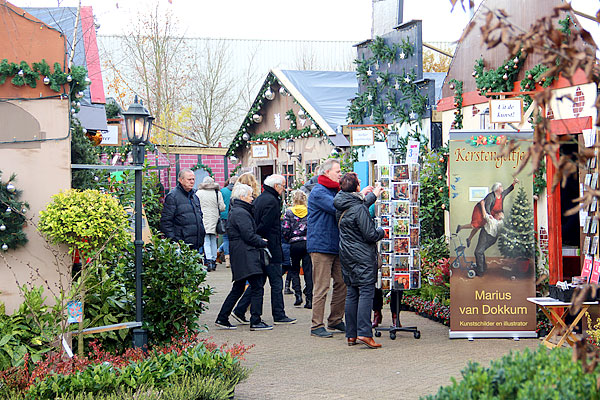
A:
[329,93]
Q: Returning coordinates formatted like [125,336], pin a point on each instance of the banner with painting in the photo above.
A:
[492,244]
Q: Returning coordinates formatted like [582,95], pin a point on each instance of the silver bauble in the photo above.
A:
[69,78]
[87,80]
[46,81]
[4,247]
[2,228]
[10,187]
[269,95]
[21,73]
[282,91]
[301,113]
[8,210]
[257,118]
[313,128]
[24,211]
[246,137]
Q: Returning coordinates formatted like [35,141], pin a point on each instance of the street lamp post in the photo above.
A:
[138,123]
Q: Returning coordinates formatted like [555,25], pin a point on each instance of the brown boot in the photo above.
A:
[227,262]
[377,317]
[368,341]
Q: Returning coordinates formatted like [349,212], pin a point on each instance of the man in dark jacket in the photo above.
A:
[267,214]
[181,217]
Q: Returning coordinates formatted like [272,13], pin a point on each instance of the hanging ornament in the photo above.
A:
[24,211]
[4,247]
[11,188]
[301,113]
[515,66]
[389,105]
[269,95]
[527,86]
[87,80]
[73,111]
[412,115]
[402,56]
[389,65]
[407,79]
[529,76]
[46,81]
[96,178]
[246,137]
[21,73]
[69,78]
[257,118]
[377,65]
[313,128]
[397,85]
[474,73]
[370,97]
[369,72]
[505,77]
[452,86]
[8,210]
[379,79]
[79,95]
[2,228]
[506,67]
[516,60]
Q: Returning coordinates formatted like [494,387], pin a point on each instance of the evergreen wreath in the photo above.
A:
[12,215]
[205,167]
[501,79]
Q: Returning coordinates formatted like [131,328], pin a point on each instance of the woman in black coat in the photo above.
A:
[358,256]
[245,248]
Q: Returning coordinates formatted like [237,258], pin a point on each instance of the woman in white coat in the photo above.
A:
[211,203]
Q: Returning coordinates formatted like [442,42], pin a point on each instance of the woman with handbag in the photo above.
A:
[358,256]
[247,258]
[211,203]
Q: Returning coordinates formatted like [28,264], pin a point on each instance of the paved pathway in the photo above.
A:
[288,363]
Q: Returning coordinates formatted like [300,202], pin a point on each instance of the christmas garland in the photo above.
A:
[539,178]
[457,86]
[204,167]
[235,170]
[532,77]
[23,74]
[396,86]
[12,215]
[501,79]
[489,140]
[290,116]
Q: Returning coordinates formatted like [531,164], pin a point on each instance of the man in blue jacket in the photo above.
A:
[322,242]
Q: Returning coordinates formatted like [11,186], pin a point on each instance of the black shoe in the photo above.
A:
[321,332]
[225,325]
[298,301]
[240,318]
[457,228]
[341,327]
[285,321]
[261,326]
[308,304]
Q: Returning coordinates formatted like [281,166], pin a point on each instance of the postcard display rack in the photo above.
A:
[591,264]
[397,212]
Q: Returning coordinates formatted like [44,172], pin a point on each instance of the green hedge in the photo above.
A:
[528,375]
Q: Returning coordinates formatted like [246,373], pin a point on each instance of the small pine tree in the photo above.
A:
[12,215]
[517,238]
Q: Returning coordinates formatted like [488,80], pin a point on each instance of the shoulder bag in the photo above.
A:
[220,228]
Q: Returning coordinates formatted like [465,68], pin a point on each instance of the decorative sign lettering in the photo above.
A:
[506,111]
[362,137]
[260,150]
[112,137]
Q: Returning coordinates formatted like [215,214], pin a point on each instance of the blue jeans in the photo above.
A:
[224,247]
[210,246]
[359,301]
[274,274]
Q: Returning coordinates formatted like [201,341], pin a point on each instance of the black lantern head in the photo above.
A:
[138,123]
[290,146]
[392,140]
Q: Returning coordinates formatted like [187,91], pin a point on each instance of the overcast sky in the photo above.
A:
[284,19]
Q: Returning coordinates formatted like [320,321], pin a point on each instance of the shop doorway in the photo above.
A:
[570,228]
[264,171]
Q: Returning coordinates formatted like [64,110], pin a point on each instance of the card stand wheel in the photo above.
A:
[471,274]
[377,333]
[392,335]
[417,334]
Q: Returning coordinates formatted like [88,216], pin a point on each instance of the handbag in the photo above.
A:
[265,256]
[220,228]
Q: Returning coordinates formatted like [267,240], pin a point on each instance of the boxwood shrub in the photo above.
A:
[527,375]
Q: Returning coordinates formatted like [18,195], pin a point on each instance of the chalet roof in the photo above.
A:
[325,95]
[471,48]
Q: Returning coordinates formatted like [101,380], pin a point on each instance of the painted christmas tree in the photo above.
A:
[12,215]
[517,239]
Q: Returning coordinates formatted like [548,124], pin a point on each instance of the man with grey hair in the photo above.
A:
[267,214]
[181,217]
[323,244]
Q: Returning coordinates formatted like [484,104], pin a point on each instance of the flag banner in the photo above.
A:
[492,242]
